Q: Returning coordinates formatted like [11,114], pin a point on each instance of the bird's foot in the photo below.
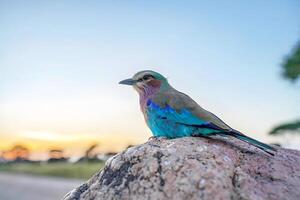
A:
[162,138]
[157,138]
[152,138]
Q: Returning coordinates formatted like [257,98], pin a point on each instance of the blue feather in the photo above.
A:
[167,122]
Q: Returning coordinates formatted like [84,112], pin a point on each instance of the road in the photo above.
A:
[27,187]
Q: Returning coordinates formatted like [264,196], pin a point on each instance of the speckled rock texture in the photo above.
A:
[195,168]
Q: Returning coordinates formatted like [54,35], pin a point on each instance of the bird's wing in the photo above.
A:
[181,102]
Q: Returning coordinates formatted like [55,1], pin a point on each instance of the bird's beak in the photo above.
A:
[129,81]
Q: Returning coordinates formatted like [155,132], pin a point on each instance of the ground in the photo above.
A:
[29,187]
[67,170]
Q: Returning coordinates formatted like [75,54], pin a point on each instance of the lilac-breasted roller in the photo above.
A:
[173,114]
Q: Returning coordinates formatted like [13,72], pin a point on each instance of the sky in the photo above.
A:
[61,61]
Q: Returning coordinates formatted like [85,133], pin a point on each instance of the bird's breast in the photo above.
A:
[164,121]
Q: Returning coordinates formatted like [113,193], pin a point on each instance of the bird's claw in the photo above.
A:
[156,138]
[152,138]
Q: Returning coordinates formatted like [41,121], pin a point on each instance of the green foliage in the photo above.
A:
[291,127]
[83,170]
[291,71]
[291,65]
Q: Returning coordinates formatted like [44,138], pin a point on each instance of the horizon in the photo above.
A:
[61,63]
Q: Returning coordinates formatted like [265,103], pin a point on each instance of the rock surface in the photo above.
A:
[195,168]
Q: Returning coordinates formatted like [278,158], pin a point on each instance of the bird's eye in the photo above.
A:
[146,77]
[140,80]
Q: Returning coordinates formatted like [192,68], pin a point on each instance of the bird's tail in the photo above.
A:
[267,148]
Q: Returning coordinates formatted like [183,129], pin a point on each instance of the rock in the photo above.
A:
[195,168]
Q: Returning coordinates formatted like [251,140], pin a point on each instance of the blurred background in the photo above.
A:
[63,114]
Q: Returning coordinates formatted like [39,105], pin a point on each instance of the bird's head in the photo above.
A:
[146,80]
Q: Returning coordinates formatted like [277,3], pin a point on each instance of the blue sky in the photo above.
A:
[60,62]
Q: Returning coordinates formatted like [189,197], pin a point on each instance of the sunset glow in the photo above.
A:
[60,64]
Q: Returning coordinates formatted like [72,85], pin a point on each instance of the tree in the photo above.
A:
[292,127]
[56,155]
[291,66]
[91,153]
[291,71]
[17,153]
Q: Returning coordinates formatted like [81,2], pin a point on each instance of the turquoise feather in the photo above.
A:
[166,122]
[172,114]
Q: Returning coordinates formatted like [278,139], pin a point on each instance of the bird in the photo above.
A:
[172,114]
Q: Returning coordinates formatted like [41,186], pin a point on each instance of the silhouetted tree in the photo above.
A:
[291,71]
[17,153]
[90,152]
[2,159]
[56,155]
